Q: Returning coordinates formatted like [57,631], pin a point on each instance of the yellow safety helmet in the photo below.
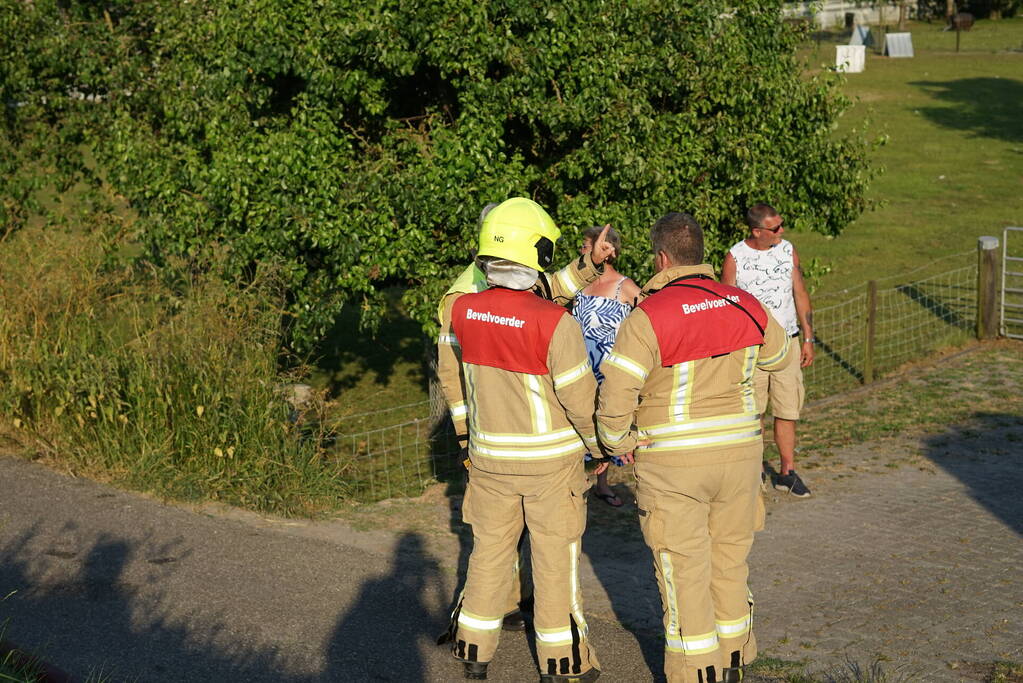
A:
[519,230]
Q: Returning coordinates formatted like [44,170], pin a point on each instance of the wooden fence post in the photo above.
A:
[987,288]
[868,337]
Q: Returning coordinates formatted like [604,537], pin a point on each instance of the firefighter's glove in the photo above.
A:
[463,450]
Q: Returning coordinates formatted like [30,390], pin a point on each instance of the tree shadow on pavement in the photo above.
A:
[81,610]
[985,453]
[383,635]
[986,107]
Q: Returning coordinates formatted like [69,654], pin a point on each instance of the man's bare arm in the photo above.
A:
[804,311]
[728,270]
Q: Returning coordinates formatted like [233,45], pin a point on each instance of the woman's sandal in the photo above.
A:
[608,497]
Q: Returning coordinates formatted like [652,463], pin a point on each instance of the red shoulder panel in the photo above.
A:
[692,323]
[507,329]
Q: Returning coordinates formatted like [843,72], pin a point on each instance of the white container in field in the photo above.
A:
[850,58]
[898,45]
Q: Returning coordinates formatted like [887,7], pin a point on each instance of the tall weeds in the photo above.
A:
[168,388]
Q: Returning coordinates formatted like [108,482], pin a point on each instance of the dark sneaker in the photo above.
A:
[792,483]
[475,671]
[588,677]
[516,621]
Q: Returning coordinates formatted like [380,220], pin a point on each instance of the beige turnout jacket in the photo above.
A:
[693,413]
[533,424]
[564,285]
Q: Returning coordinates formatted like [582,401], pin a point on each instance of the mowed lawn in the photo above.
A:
[953,161]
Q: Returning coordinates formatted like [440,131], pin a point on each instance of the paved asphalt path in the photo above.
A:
[113,583]
[918,565]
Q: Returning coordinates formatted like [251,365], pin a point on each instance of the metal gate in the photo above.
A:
[1012,284]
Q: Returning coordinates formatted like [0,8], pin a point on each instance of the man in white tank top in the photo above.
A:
[767,266]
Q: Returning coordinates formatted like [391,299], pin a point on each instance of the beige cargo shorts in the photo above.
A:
[784,389]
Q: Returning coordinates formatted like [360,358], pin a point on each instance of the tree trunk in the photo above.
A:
[950,9]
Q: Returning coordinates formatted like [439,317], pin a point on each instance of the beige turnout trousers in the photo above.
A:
[551,506]
[699,523]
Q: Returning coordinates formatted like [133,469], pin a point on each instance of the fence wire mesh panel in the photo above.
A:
[838,359]
[400,459]
[910,320]
[1012,283]
[919,317]
[401,450]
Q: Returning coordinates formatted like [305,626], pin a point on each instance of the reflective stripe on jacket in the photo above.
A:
[530,412]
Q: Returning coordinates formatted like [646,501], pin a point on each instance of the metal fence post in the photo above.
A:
[987,289]
[868,340]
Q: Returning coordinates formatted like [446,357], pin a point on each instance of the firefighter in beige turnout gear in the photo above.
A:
[561,287]
[678,391]
[528,393]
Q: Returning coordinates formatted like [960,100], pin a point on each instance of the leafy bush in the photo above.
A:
[356,141]
[171,389]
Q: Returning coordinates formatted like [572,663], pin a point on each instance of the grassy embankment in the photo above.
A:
[163,386]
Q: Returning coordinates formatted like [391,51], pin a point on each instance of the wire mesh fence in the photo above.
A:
[863,333]
[400,459]
[870,330]
[874,330]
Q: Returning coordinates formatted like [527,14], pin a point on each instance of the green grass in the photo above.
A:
[373,380]
[168,387]
[13,665]
[1007,672]
[13,672]
[954,157]
[979,387]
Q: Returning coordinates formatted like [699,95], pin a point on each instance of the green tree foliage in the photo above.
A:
[355,141]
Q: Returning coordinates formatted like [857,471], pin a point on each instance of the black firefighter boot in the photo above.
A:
[588,677]
[732,674]
[476,671]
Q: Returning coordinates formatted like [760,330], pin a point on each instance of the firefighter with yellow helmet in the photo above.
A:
[529,401]
[499,233]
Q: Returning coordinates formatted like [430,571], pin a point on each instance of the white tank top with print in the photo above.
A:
[767,275]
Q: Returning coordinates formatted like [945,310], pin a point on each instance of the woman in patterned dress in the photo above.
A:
[600,310]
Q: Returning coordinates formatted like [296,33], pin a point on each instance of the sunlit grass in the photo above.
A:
[953,162]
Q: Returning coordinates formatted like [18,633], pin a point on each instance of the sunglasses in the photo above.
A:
[775,229]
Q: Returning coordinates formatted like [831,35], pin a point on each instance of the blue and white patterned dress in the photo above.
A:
[600,318]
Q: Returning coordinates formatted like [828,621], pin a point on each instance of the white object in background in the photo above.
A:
[850,58]
[861,35]
[898,44]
